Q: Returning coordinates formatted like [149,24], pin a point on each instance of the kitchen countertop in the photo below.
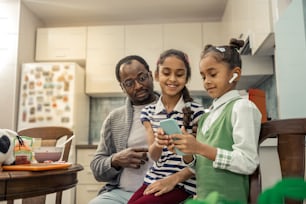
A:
[86,146]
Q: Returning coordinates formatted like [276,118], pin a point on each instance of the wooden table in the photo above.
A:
[23,184]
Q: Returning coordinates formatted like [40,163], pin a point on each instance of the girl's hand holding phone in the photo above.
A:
[185,142]
[161,139]
[171,127]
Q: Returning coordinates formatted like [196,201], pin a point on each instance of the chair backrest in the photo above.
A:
[290,134]
[49,136]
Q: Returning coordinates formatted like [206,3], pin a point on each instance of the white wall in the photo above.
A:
[13,14]
[26,44]
[27,35]
[9,23]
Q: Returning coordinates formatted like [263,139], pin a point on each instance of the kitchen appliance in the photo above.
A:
[53,94]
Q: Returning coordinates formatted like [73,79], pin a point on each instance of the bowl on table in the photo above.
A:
[48,154]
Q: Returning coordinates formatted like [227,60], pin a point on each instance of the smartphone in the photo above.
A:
[170,126]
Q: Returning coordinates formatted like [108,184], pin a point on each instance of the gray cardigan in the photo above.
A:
[114,136]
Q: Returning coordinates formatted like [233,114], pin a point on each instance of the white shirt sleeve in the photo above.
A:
[246,121]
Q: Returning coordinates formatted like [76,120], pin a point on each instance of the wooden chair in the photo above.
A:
[291,150]
[49,135]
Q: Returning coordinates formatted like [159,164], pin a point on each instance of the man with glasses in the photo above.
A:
[121,157]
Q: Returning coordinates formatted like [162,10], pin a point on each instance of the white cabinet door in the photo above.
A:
[105,47]
[188,38]
[254,20]
[262,37]
[84,193]
[235,24]
[87,187]
[240,23]
[146,41]
[213,33]
[61,44]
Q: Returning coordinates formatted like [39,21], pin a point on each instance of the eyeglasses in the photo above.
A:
[142,78]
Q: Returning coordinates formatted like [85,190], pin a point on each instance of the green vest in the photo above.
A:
[231,186]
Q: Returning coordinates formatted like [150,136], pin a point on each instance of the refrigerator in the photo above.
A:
[53,94]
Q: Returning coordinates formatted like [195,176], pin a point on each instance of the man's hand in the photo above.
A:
[130,158]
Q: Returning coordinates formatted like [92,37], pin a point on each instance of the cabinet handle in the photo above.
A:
[60,56]
[92,190]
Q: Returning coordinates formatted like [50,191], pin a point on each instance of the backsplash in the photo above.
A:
[100,108]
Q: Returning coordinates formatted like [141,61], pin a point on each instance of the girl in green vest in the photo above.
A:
[225,149]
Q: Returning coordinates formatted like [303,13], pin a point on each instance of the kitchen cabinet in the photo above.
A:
[188,38]
[105,47]
[61,44]
[87,187]
[254,21]
[261,22]
[255,70]
[213,33]
[236,24]
[146,41]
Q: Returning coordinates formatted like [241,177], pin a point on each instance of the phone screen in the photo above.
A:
[170,126]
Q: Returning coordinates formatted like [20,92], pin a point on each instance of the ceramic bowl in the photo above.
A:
[43,154]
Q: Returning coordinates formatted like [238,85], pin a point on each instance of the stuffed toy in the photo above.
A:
[7,146]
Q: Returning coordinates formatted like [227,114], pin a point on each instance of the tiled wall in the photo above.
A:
[100,107]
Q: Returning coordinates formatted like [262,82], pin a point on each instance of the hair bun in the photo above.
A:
[235,43]
[208,46]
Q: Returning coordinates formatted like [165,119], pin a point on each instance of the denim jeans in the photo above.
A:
[116,196]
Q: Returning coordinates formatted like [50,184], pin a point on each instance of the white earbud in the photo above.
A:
[235,75]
